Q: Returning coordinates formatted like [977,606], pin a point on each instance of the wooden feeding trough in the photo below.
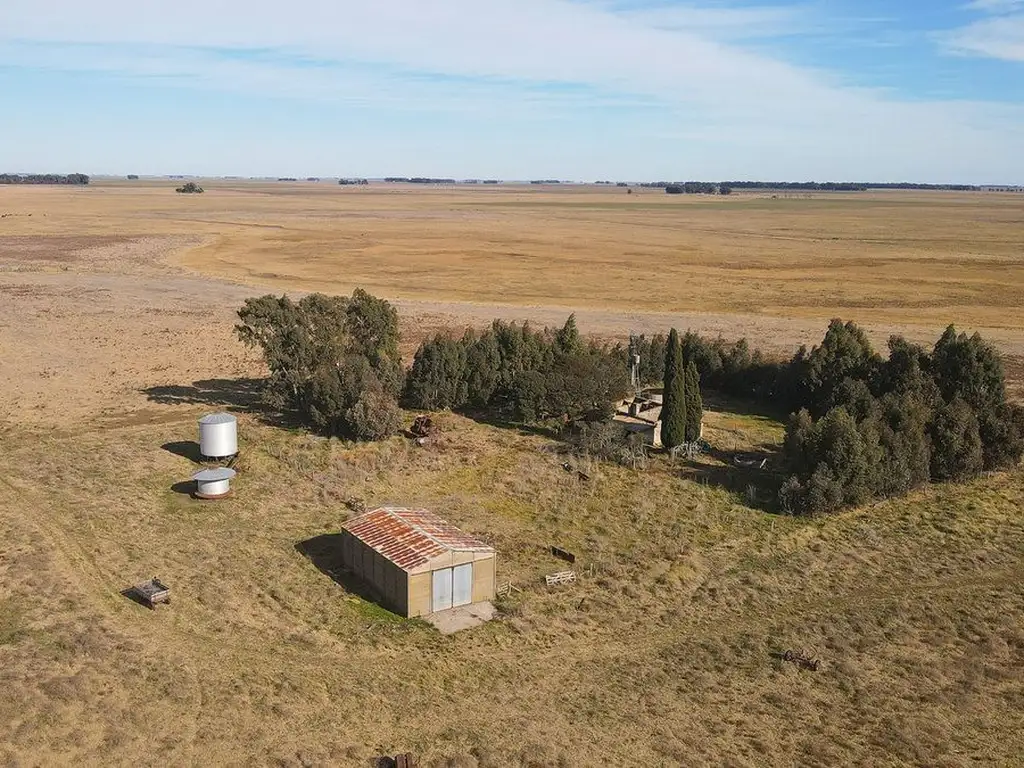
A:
[152,592]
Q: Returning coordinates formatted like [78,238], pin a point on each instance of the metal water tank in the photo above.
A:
[213,483]
[218,435]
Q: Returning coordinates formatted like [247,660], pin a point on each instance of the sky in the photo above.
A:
[869,90]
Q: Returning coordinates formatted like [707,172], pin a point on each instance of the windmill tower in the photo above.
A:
[634,363]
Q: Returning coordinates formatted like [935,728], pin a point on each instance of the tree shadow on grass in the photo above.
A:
[757,487]
[741,406]
[324,552]
[243,395]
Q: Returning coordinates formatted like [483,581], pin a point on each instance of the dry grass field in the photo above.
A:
[115,335]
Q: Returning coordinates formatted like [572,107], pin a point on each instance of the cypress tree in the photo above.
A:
[694,405]
[673,407]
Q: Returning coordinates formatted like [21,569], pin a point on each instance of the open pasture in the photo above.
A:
[115,336]
[914,258]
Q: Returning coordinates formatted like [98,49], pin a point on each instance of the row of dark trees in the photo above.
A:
[864,426]
[820,186]
[846,186]
[417,180]
[334,362]
[43,178]
[873,427]
[693,188]
[861,426]
[515,372]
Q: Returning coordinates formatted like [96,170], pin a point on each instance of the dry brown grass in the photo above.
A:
[896,257]
[108,352]
[914,606]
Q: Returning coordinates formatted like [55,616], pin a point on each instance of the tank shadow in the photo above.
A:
[187,449]
[185,488]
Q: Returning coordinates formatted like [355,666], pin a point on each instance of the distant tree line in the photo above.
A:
[44,178]
[418,180]
[863,426]
[691,188]
[545,181]
[701,187]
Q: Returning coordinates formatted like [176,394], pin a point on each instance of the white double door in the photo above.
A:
[452,587]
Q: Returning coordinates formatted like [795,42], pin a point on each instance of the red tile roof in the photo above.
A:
[410,537]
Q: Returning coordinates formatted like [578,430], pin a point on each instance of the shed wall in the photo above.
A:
[388,580]
[419,593]
[483,579]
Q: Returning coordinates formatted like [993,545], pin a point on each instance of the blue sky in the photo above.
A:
[922,90]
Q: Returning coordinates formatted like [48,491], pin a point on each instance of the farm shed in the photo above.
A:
[417,562]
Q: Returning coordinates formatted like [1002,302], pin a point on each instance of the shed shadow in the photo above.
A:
[324,552]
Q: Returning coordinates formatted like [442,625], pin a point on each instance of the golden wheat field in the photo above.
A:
[116,309]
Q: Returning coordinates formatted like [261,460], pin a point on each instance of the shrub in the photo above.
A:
[333,360]
[956,442]
[374,416]
[694,404]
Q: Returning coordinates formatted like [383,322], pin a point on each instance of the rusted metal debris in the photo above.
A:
[423,426]
[405,760]
[802,660]
[580,474]
[563,554]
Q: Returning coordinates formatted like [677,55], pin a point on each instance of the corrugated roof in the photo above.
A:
[410,537]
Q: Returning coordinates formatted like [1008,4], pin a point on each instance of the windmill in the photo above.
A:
[634,364]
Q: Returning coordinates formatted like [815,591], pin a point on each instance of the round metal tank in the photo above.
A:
[218,435]
[213,483]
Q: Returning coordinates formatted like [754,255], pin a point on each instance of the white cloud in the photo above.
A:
[505,53]
[994,6]
[998,37]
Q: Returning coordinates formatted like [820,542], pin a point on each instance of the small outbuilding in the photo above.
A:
[418,563]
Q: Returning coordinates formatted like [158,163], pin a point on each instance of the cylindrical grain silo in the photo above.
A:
[218,435]
[213,483]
